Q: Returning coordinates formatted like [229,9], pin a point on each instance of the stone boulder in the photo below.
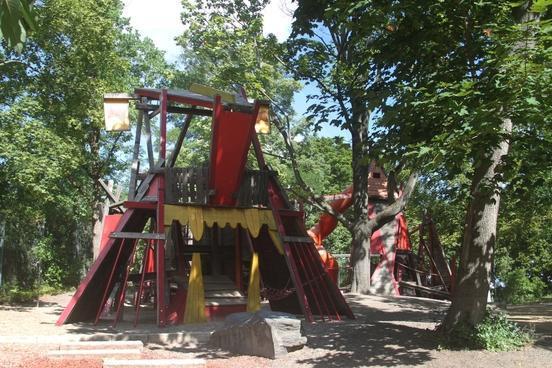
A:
[264,333]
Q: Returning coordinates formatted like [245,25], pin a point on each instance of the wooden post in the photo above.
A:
[160,250]
[178,145]
[237,258]
[149,145]
[215,250]
[135,168]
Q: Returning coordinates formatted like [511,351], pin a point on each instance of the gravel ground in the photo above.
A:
[387,332]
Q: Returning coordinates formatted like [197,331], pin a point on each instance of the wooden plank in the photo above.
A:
[176,109]
[296,239]
[154,113]
[116,204]
[149,145]
[144,185]
[161,297]
[107,190]
[424,289]
[212,92]
[131,235]
[223,294]
[434,265]
[174,154]
[141,205]
[135,168]
[230,301]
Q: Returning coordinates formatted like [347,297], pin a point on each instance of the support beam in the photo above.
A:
[140,205]
[175,109]
[174,154]
[160,249]
[135,157]
[131,235]
[149,145]
[108,190]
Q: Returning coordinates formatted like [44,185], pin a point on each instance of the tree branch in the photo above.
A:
[310,195]
[393,209]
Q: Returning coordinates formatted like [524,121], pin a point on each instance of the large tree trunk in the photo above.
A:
[361,234]
[472,286]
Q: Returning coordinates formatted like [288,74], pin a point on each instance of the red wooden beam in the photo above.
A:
[110,280]
[160,249]
[140,205]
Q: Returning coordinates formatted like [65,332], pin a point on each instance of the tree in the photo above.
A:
[468,80]
[224,46]
[17,20]
[329,49]
[52,146]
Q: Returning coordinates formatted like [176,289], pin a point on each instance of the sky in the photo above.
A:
[160,21]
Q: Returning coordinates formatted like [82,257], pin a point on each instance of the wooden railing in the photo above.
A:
[189,185]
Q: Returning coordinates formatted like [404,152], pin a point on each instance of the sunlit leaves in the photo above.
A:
[17,20]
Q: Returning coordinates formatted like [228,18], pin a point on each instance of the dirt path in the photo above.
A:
[387,332]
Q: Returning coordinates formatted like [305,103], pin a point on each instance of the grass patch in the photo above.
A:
[494,333]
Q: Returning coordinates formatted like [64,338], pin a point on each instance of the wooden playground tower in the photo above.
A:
[221,199]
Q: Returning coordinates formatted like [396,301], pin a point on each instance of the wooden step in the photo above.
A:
[223,294]
[157,363]
[226,301]
[101,345]
[130,353]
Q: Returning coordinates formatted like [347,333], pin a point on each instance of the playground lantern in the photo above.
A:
[116,112]
[262,125]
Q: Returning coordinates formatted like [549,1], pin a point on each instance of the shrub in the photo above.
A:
[520,288]
[494,333]
[15,294]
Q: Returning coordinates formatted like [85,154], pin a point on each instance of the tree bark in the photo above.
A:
[474,274]
[472,286]
[361,234]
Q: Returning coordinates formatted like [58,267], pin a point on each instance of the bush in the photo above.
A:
[494,333]
[15,294]
[520,288]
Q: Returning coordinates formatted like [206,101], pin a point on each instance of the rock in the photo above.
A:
[264,333]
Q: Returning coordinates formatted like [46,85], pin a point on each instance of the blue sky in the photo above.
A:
[161,22]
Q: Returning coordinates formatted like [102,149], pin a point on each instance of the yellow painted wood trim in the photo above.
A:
[195,297]
[251,219]
[254,288]
[212,92]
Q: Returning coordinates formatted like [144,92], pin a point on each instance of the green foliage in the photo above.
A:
[17,20]
[519,288]
[223,45]
[494,333]
[14,294]
[52,145]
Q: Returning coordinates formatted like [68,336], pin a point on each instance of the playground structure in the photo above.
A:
[398,270]
[220,218]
